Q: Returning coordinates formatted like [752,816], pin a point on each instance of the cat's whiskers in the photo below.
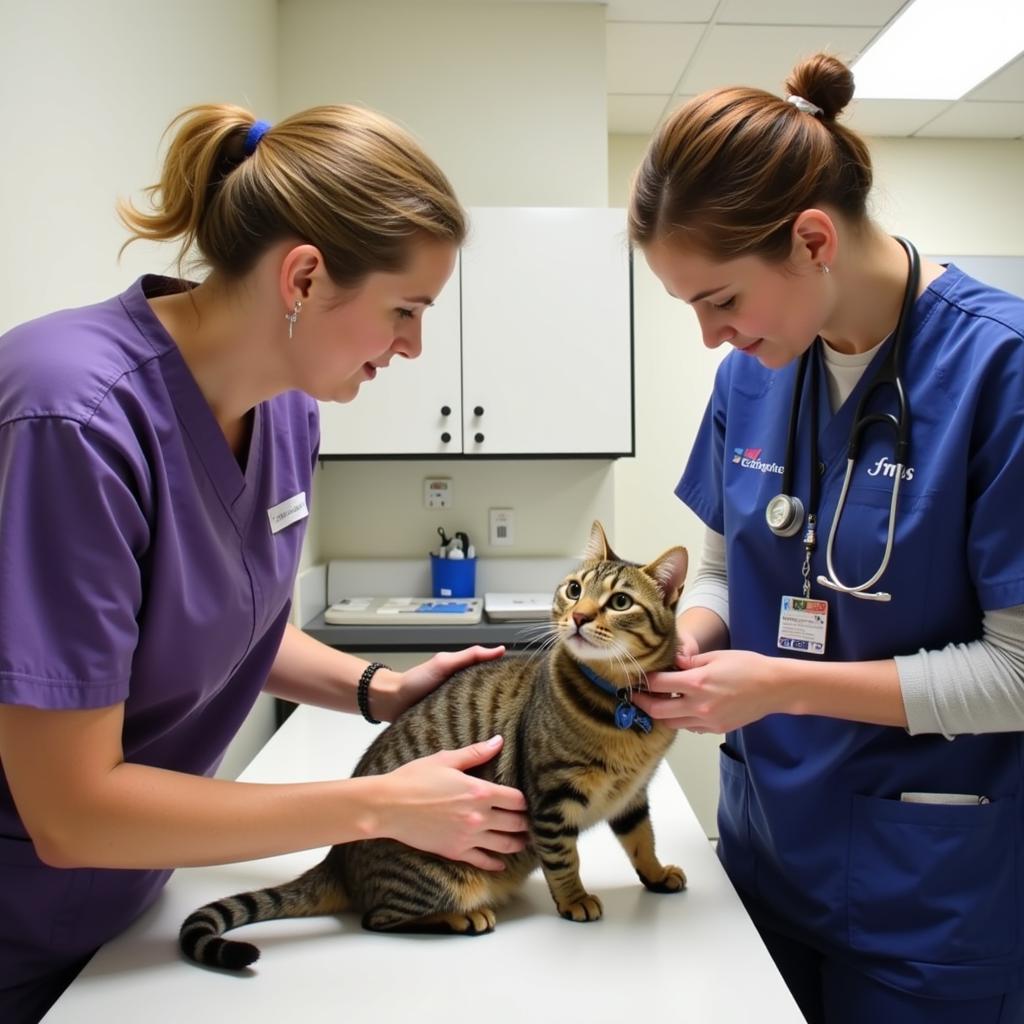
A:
[641,673]
[542,649]
[536,631]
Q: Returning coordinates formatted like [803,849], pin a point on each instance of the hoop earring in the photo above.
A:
[292,317]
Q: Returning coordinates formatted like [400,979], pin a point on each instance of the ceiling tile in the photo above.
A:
[970,120]
[763,55]
[634,114]
[891,117]
[648,58]
[808,12]
[1007,84]
[659,10]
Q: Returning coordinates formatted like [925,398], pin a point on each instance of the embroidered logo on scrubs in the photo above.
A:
[750,458]
[739,454]
[883,467]
[289,511]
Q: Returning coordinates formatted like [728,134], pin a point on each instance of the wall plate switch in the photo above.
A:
[500,532]
[437,492]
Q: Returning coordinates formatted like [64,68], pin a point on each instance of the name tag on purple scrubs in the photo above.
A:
[286,512]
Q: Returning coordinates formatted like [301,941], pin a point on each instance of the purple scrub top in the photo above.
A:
[138,564]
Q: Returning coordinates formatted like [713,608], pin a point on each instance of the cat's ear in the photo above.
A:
[597,549]
[669,572]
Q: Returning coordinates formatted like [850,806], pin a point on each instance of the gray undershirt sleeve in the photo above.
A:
[709,587]
[963,688]
[969,688]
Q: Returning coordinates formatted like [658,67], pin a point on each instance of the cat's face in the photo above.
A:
[611,610]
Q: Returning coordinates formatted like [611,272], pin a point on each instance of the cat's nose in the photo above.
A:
[580,618]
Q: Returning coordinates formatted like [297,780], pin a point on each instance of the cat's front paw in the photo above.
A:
[671,879]
[476,922]
[587,909]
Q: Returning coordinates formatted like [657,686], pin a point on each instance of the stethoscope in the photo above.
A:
[785,512]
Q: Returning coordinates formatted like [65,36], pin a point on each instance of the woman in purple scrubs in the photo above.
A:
[872,802]
[156,460]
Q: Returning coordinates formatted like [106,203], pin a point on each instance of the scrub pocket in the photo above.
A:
[734,849]
[932,882]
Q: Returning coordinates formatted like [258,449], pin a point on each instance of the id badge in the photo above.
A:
[803,623]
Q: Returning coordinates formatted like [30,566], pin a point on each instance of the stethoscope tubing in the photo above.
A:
[832,581]
[888,373]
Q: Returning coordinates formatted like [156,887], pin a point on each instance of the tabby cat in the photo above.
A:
[574,745]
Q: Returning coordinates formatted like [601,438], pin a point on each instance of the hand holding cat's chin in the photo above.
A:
[714,692]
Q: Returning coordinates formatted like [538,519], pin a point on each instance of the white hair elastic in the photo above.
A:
[805,105]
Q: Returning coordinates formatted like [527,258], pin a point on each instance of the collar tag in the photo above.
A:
[627,714]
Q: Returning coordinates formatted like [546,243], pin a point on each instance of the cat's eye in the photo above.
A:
[620,601]
[573,589]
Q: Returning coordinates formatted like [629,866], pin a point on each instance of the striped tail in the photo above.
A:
[311,894]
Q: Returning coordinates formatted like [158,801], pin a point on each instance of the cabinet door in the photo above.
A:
[401,412]
[547,349]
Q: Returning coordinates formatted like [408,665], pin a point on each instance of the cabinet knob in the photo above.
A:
[478,438]
[446,410]
[478,410]
[446,437]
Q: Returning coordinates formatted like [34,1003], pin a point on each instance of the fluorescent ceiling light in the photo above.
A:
[940,49]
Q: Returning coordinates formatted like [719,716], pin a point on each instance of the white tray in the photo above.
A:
[406,611]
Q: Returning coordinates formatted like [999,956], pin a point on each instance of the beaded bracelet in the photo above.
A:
[363,691]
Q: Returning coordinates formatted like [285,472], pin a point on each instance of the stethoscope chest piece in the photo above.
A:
[784,515]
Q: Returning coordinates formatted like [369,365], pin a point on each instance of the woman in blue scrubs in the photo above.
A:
[871,775]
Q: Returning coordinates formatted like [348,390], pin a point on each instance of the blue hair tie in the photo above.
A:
[253,136]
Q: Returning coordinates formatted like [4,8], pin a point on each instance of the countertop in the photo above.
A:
[692,956]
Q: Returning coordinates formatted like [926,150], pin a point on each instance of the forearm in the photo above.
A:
[142,817]
[858,691]
[705,626]
[310,672]
[704,608]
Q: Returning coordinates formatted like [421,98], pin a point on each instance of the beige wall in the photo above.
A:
[86,89]
[509,98]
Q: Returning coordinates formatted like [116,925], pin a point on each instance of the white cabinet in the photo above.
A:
[528,350]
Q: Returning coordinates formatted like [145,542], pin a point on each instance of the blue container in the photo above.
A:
[453,577]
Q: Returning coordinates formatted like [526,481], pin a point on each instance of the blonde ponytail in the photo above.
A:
[342,178]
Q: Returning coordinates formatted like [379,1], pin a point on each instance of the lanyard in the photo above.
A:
[809,365]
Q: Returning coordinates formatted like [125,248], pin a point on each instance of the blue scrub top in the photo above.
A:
[927,898]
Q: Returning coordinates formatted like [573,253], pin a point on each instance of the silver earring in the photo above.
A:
[292,317]
[824,268]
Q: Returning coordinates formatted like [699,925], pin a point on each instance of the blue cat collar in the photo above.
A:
[627,714]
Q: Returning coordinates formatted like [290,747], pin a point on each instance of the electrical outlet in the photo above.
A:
[500,533]
[437,492]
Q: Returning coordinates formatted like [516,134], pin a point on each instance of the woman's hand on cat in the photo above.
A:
[403,689]
[434,806]
[713,692]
